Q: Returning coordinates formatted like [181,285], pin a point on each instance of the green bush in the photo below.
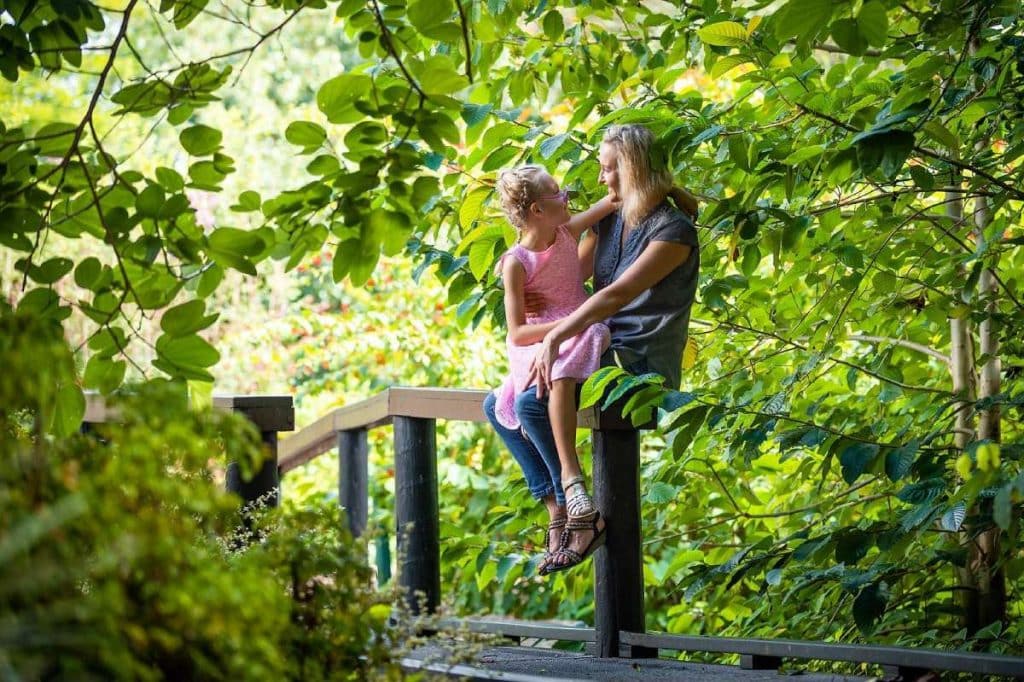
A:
[117,556]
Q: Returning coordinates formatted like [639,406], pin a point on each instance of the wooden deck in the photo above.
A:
[535,664]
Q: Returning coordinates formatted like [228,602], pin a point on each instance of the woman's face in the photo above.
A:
[608,157]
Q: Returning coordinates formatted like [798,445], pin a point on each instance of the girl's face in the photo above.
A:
[552,204]
[608,157]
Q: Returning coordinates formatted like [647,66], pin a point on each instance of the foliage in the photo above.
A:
[116,546]
[860,169]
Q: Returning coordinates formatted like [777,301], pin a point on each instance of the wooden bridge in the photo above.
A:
[619,637]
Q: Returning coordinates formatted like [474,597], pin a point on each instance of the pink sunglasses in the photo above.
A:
[562,196]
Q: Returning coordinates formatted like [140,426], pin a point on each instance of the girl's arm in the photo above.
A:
[585,254]
[520,333]
[581,221]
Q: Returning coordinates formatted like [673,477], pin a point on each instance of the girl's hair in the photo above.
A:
[643,180]
[518,188]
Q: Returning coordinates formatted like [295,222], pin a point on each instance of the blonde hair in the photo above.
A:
[518,188]
[643,180]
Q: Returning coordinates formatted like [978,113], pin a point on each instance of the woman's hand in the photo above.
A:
[540,366]
[533,303]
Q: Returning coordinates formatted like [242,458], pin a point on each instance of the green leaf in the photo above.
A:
[248,201]
[855,460]
[595,385]
[389,229]
[471,206]
[187,351]
[187,318]
[200,140]
[51,271]
[873,23]
[103,374]
[337,97]
[727,64]
[723,34]
[68,410]
[88,272]
[235,241]
[438,76]
[1002,507]
[953,519]
[847,35]
[552,144]
[500,157]
[922,491]
[661,493]
[802,18]
[150,201]
[554,26]
[869,606]
[305,134]
[899,461]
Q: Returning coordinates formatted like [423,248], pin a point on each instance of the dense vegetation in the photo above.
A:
[847,441]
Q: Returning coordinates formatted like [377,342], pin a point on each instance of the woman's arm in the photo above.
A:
[520,333]
[652,266]
[581,221]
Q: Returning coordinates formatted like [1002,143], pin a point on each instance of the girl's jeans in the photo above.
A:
[539,462]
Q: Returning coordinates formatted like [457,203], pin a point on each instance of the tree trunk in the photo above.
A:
[984,553]
[961,366]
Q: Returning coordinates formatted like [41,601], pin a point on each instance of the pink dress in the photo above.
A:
[555,273]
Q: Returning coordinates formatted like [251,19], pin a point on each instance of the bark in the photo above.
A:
[984,553]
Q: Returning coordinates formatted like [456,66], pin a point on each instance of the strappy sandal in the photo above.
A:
[558,525]
[576,558]
[578,505]
[583,515]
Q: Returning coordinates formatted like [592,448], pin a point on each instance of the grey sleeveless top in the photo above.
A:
[649,333]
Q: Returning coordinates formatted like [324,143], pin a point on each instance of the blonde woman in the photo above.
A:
[644,259]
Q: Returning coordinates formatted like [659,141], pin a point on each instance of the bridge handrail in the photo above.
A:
[452,404]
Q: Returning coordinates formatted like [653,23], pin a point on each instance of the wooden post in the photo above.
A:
[352,478]
[416,513]
[618,566]
[270,414]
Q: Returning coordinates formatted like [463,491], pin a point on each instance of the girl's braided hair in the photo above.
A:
[518,188]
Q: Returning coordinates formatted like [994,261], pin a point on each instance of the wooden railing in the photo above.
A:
[619,628]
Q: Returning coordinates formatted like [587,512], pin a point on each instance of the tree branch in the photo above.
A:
[919,347]
[465,39]
[389,44]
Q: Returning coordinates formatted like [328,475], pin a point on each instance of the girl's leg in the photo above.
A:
[535,470]
[562,413]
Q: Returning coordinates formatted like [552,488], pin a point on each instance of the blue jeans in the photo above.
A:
[537,455]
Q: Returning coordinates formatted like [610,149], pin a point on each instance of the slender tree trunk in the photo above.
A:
[961,365]
[984,553]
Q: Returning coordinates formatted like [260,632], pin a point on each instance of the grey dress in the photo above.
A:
[649,333]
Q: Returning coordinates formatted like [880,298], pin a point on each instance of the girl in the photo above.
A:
[544,265]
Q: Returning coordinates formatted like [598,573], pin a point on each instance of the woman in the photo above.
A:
[644,259]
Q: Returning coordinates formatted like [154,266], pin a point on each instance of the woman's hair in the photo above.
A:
[518,188]
[643,179]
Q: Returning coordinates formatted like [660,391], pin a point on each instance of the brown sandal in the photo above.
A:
[576,558]
[558,525]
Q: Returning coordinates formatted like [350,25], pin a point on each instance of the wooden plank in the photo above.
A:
[930,659]
[519,628]
[462,671]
